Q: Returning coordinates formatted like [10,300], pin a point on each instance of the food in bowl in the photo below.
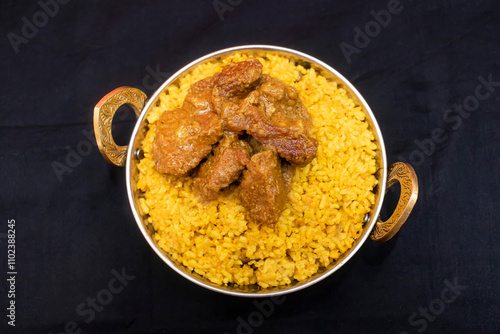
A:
[326,203]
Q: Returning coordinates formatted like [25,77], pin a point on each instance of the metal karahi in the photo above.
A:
[128,156]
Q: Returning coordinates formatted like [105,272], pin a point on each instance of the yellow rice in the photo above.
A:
[326,206]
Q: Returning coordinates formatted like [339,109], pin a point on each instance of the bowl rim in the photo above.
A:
[286,289]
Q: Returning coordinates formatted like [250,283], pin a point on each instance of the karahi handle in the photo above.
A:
[405,175]
[104,112]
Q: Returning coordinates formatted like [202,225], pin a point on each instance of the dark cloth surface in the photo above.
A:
[76,238]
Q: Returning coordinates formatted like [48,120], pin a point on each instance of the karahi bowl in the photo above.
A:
[129,156]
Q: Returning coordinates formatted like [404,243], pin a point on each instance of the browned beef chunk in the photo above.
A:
[224,167]
[185,136]
[262,190]
[235,79]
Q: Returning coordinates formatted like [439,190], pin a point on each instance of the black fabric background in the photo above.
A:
[71,233]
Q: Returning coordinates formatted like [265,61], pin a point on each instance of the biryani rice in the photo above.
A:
[326,205]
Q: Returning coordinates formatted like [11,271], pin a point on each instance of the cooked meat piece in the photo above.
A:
[185,136]
[280,98]
[183,139]
[236,78]
[274,115]
[241,115]
[206,84]
[288,138]
[199,97]
[262,190]
[224,167]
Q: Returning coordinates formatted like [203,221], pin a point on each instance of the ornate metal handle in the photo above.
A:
[104,112]
[405,175]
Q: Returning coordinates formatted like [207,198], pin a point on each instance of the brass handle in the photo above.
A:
[104,112]
[405,175]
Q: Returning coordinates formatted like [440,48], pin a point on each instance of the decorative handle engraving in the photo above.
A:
[104,112]
[405,175]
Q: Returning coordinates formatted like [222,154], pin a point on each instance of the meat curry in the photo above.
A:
[239,126]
